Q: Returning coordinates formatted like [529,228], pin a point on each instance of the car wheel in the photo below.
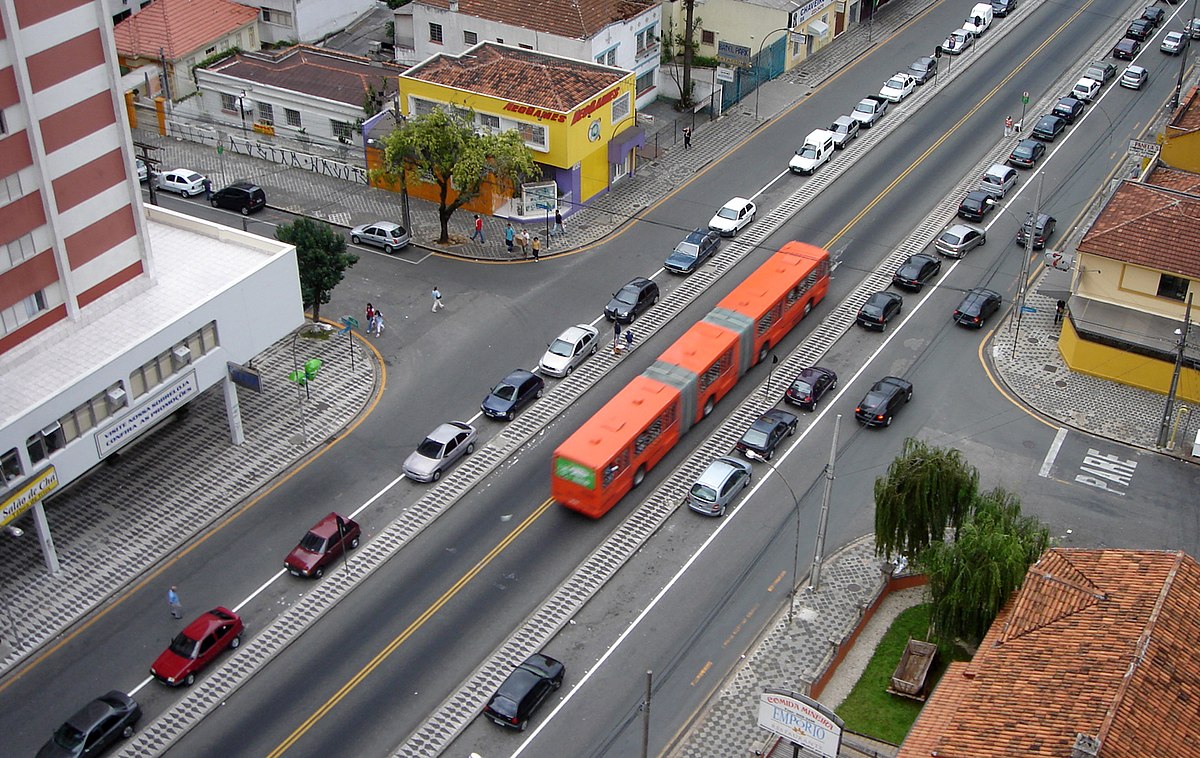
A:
[213,203]
[354,543]
[882,326]
[509,416]
[769,454]
[654,302]
[813,407]
[982,240]
[721,512]
[523,725]
[185,193]
[320,572]
[470,447]
[593,350]
[354,238]
[235,642]
[437,475]
[888,421]
[639,476]
[127,732]
[245,211]
[569,370]
[189,680]
[807,308]
[792,429]
[541,391]
[708,405]
[389,249]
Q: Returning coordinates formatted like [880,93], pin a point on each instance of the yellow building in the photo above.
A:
[1181,138]
[738,30]
[576,117]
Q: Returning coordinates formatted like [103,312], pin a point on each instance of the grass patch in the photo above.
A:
[869,709]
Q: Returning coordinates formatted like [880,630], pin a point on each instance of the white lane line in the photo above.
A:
[141,684]
[237,608]
[1052,453]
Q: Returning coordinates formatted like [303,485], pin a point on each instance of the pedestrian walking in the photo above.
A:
[1008,126]
[370,316]
[173,602]
[378,323]
[558,224]
[537,248]
[616,337]
[437,300]
[687,137]
[523,241]
[509,233]
[629,338]
[207,190]
[1060,312]
[478,229]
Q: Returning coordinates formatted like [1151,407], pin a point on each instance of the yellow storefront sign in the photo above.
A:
[40,486]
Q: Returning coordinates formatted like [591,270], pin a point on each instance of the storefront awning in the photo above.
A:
[818,28]
[625,140]
[1056,284]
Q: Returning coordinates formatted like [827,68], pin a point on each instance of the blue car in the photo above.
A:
[514,392]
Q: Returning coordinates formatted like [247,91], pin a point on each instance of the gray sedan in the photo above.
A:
[385,234]
[439,450]
[959,239]
[721,482]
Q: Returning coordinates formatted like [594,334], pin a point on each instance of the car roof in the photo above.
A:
[243,185]
[960,229]
[846,120]
[327,527]
[89,716]
[979,292]
[736,202]
[446,432]
[1134,68]
[719,470]
[884,295]
[891,381]
[208,621]
[572,333]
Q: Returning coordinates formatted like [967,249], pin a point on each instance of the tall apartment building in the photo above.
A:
[113,315]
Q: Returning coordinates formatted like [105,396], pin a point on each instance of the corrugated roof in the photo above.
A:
[524,76]
[179,27]
[1099,643]
[315,71]
[1152,226]
[573,19]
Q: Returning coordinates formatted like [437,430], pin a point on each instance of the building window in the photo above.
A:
[797,48]
[707,37]
[20,249]
[608,58]
[621,106]
[435,34]
[422,107]
[1174,287]
[343,130]
[647,40]
[293,117]
[470,38]
[229,102]
[278,17]
[499,40]
[210,51]
[489,122]
[11,464]
[645,83]
[525,47]
[266,113]
[533,134]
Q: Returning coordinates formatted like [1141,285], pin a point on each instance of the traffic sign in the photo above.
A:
[1143,148]
[1024,98]
[1028,309]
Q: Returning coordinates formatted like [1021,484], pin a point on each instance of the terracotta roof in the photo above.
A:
[524,76]
[573,19]
[1097,643]
[1187,116]
[314,71]
[1149,226]
[179,27]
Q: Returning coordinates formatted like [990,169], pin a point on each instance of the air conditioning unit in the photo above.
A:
[116,397]
[182,355]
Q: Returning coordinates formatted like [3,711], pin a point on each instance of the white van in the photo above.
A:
[980,19]
[816,150]
[998,180]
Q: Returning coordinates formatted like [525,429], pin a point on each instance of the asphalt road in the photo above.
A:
[498,316]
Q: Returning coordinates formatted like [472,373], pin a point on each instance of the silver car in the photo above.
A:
[959,239]
[571,348]
[184,181]
[721,482]
[439,450]
[385,234]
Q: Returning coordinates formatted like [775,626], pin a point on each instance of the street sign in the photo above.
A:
[1059,259]
[1024,98]
[1143,148]
[1028,309]
[725,74]
[801,720]
[244,377]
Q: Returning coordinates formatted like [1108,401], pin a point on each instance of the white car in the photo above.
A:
[571,348]
[1173,43]
[898,87]
[1086,90]
[958,41]
[184,181]
[143,172]
[1133,77]
[734,215]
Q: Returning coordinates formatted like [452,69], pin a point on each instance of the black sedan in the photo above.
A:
[1045,228]
[976,306]
[98,725]
[1140,29]
[1048,127]
[809,386]
[1127,49]
[975,205]
[883,400]
[1153,14]
[765,434]
[524,691]
[514,392]
[917,270]
[631,300]
[1027,153]
[1068,109]
[879,309]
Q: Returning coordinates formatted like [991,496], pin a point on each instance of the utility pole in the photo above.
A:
[1028,253]
[1164,430]
[685,87]
[646,715]
[815,574]
[1187,45]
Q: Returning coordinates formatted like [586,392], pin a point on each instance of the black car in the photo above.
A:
[514,392]
[923,69]
[765,434]
[96,726]
[1027,153]
[631,300]
[883,400]
[1127,49]
[695,249]
[975,205]
[879,309]
[524,691]
[1045,228]
[1068,109]
[976,306]
[1048,127]
[1140,29]
[1153,14]
[809,386]
[917,270]
[243,197]
[1001,8]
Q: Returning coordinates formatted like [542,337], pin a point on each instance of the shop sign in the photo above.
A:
[595,105]
[539,113]
[124,431]
[38,487]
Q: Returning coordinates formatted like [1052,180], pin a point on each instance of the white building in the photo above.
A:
[279,20]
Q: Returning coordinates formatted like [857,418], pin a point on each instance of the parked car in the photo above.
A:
[869,110]
[809,386]
[385,234]
[632,300]
[524,691]
[1045,228]
[916,271]
[883,400]
[569,349]
[514,392]
[959,239]
[324,543]
[1153,14]
[1048,128]
[143,171]
[1173,43]
[765,434]
[692,251]
[1193,28]
[1001,8]
[1027,153]
[975,205]
[1139,29]
[957,42]
[197,646]
[923,69]
[844,129]
[1068,108]
[733,216]
[439,450]
[243,197]
[1085,89]
[880,308]
[95,727]
[719,485]
[1127,49]
[1101,71]
[998,179]
[1133,77]
[898,87]
[976,306]
[184,181]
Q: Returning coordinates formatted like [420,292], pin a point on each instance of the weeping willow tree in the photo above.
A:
[971,577]
[925,491]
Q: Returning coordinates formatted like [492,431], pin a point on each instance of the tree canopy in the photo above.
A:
[447,149]
[925,491]
[321,256]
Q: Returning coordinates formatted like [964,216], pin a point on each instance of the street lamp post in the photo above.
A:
[1164,429]
[1187,45]
[814,576]
[796,555]
[1028,253]
[758,79]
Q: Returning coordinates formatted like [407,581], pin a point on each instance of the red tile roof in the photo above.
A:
[573,19]
[1151,226]
[1098,643]
[179,27]
[315,71]
[524,76]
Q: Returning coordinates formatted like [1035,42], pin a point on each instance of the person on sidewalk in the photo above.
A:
[558,224]
[1008,126]
[687,137]
[207,190]
[509,233]
[1060,311]
[629,338]
[478,229]
[537,248]
[174,604]
[370,316]
[523,241]
[378,323]
[437,300]
[616,337]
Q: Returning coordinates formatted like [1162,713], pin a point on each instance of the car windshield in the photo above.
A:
[626,297]
[808,151]
[863,108]
[504,706]
[430,448]
[839,128]
[896,83]
[183,646]
[951,239]
[560,347]
[704,492]
[685,252]
[68,738]
[1023,151]
[755,437]
[313,543]
[870,309]
[505,391]
[729,213]
[910,270]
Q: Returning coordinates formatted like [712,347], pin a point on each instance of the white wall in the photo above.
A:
[310,19]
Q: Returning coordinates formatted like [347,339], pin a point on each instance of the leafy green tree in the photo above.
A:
[460,160]
[321,256]
[972,577]
[926,490]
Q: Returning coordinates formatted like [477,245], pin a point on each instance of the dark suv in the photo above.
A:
[974,309]
[243,197]
[975,205]
[524,691]
[883,400]
[631,301]
[1045,228]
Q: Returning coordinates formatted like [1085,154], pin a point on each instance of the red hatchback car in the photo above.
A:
[197,646]
[323,544]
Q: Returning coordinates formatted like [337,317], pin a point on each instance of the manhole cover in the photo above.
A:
[1060,383]
[1049,369]
[852,587]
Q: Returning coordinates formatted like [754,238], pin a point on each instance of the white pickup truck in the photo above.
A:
[869,110]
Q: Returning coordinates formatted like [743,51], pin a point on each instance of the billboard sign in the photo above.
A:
[802,721]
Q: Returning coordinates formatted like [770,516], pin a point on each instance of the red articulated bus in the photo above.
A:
[611,453]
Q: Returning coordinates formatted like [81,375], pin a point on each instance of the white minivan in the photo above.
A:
[980,19]
[998,180]
[817,149]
